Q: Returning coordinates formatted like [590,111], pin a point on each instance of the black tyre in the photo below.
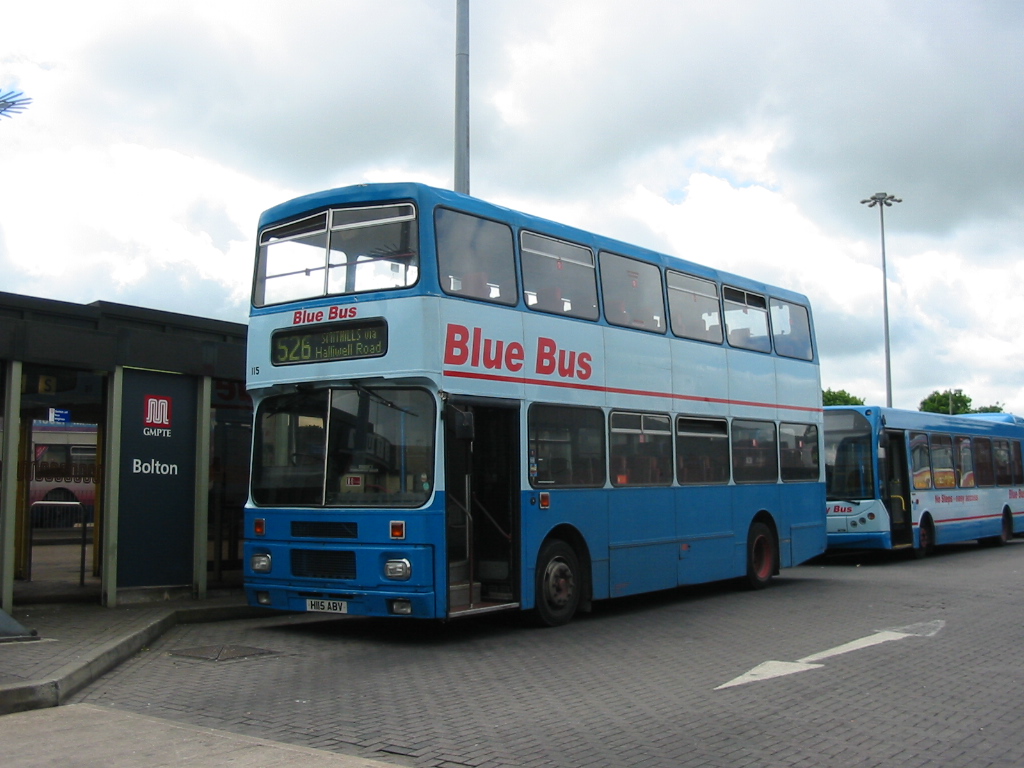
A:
[762,556]
[925,539]
[559,584]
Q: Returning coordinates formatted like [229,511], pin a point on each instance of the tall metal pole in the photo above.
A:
[462,96]
[882,200]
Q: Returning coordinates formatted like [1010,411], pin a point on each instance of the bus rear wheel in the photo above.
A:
[762,556]
[558,584]
[1005,533]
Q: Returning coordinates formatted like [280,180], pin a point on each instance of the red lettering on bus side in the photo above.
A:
[546,349]
[585,369]
[341,313]
[456,348]
[303,316]
[477,335]
[514,356]
[492,353]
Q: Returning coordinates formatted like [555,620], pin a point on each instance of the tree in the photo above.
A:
[954,401]
[839,397]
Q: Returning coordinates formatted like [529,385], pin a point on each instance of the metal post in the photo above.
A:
[11,411]
[882,200]
[462,96]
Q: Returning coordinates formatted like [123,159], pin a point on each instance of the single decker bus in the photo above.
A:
[460,408]
[911,480]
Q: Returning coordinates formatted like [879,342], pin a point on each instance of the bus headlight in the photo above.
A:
[398,570]
[260,563]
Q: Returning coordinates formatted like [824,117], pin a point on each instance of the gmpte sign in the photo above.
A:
[156,420]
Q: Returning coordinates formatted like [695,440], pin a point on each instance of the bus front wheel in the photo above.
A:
[925,539]
[762,556]
[558,582]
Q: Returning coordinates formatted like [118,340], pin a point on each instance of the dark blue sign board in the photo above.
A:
[60,416]
[156,511]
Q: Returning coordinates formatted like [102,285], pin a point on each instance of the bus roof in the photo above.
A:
[427,197]
[994,423]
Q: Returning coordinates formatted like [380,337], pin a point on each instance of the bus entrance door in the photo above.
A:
[892,456]
[482,504]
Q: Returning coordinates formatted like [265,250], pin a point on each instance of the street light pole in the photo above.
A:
[883,201]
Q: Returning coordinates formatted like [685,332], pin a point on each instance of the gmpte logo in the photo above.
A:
[157,416]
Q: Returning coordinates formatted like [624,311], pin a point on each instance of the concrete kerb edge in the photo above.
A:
[55,690]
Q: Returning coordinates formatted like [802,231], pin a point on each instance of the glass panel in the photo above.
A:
[291,262]
[984,470]
[943,473]
[475,257]
[1018,465]
[566,447]
[372,249]
[849,469]
[746,320]
[791,329]
[558,277]
[920,461]
[693,307]
[798,452]
[632,293]
[374,448]
[288,456]
[754,453]
[702,451]
[964,458]
[381,447]
[640,449]
[1001,454]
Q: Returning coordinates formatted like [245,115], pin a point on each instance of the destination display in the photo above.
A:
[349,340]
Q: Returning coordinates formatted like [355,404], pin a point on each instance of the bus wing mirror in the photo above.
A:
[463,424]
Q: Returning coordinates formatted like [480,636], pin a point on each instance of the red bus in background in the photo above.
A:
[62,474]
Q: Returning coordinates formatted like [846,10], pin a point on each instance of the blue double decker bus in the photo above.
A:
[460,408]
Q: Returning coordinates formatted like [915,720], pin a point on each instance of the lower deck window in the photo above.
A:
[566,446]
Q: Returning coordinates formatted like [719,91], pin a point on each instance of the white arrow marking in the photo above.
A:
[770,669]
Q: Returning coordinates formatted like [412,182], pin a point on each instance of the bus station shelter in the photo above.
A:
[124,440]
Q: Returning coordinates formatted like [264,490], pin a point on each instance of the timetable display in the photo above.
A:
[349,340]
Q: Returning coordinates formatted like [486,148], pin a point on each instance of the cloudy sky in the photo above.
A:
[740,133]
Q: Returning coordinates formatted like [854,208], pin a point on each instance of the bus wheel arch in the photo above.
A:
[562,578]
[925,537]
[762,551]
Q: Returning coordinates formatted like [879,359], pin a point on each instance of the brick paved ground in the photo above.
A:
[634,683]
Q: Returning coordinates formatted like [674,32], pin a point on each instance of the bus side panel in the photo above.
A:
[642,549]
[808,529]
[585,511]
[697,371]
[642,365]
[704,526]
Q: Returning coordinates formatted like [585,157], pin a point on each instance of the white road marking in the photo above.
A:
[770,669]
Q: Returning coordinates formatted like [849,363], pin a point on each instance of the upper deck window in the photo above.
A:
[475,257]
[337,252]
[558,276]
[791,329]
[693,304]
[746,320]
[632,293]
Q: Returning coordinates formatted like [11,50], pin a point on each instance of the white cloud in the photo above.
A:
[740,134]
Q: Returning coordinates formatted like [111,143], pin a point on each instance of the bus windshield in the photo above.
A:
[849,471]
[345,447]
[337,252]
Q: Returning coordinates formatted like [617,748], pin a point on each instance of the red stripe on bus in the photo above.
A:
[619,390]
